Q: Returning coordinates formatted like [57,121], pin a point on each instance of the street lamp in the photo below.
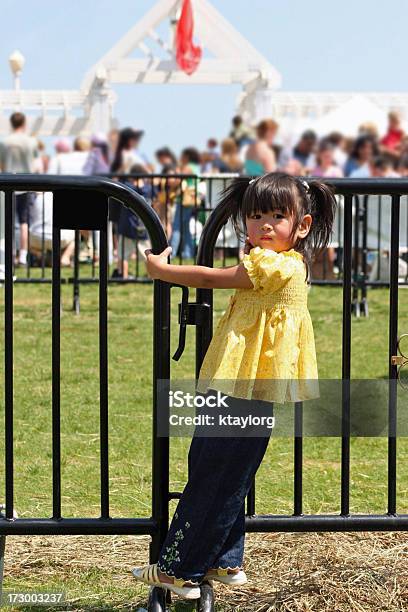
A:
[16,61]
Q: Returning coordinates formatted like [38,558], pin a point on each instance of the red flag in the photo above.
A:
[188,55]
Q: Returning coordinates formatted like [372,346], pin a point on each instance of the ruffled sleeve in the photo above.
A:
[269,270]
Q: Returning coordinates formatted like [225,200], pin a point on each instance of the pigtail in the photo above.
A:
[231,201]
[323,211]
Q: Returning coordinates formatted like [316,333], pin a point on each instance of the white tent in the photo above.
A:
[348,117]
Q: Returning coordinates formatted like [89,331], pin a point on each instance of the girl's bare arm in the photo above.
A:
[233,277]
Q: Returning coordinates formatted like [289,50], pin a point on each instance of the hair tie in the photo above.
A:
[251,181]
[306,185]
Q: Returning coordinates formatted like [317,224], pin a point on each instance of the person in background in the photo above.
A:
[323,265]
[391,142]
[210,156]
[368,128]
[166,158]
[339,148]
[168,190]
[98,157]
[70,162]
[41,230]
[97,163]
[260,157]
[382,166]
[189,164]
[125,157]
[17,154]
[326,166]
[358,162]
[403,166]
[229,160]
[293,167]
[240,132]
[113,140]
[305,149]
[41,162]
[130,227]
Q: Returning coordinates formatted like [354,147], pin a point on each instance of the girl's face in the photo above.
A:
[271,230]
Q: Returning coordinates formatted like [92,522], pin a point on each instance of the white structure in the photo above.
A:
[145,56]
[227,58]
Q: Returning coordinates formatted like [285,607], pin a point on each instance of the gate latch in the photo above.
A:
[189,313]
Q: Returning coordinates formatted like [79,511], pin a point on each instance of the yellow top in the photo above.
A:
[263,347]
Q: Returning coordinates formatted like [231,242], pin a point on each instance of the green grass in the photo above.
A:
[130,394]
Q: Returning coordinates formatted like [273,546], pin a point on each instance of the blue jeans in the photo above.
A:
[208,527]
[181,231]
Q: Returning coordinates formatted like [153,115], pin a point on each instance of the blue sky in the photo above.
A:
[316,45]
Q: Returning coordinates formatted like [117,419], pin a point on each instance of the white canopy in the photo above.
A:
[348,117]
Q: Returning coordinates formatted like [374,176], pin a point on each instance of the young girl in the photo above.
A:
[262,351]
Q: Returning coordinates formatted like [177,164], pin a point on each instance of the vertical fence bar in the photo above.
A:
[93,238]
[181,242]
[346,353]
[406,237]
[340,219]
[8,349]
[160,445]
[56,373]
[364,256]
[379,237]
[76,272]
[103,370]
[393,340]
[356,304]
[251,500]
[298,460]
[43,236]
[196,209]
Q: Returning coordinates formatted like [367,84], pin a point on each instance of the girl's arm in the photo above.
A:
[233,277]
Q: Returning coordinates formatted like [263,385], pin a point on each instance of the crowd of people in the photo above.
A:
[247,150]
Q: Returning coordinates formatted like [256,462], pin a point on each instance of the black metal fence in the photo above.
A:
[349,188]
[83,204]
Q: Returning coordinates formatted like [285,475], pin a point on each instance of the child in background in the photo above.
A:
[130,227]
[262,352]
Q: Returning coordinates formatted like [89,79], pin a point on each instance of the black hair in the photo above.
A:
[360,142]
[169,169]
[125,138]
[166,151]
[138,169]
[192,155]
[309,135]
[288,194]
[335,138]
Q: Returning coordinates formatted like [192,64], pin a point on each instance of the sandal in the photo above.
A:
[223,575]
[149,575]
